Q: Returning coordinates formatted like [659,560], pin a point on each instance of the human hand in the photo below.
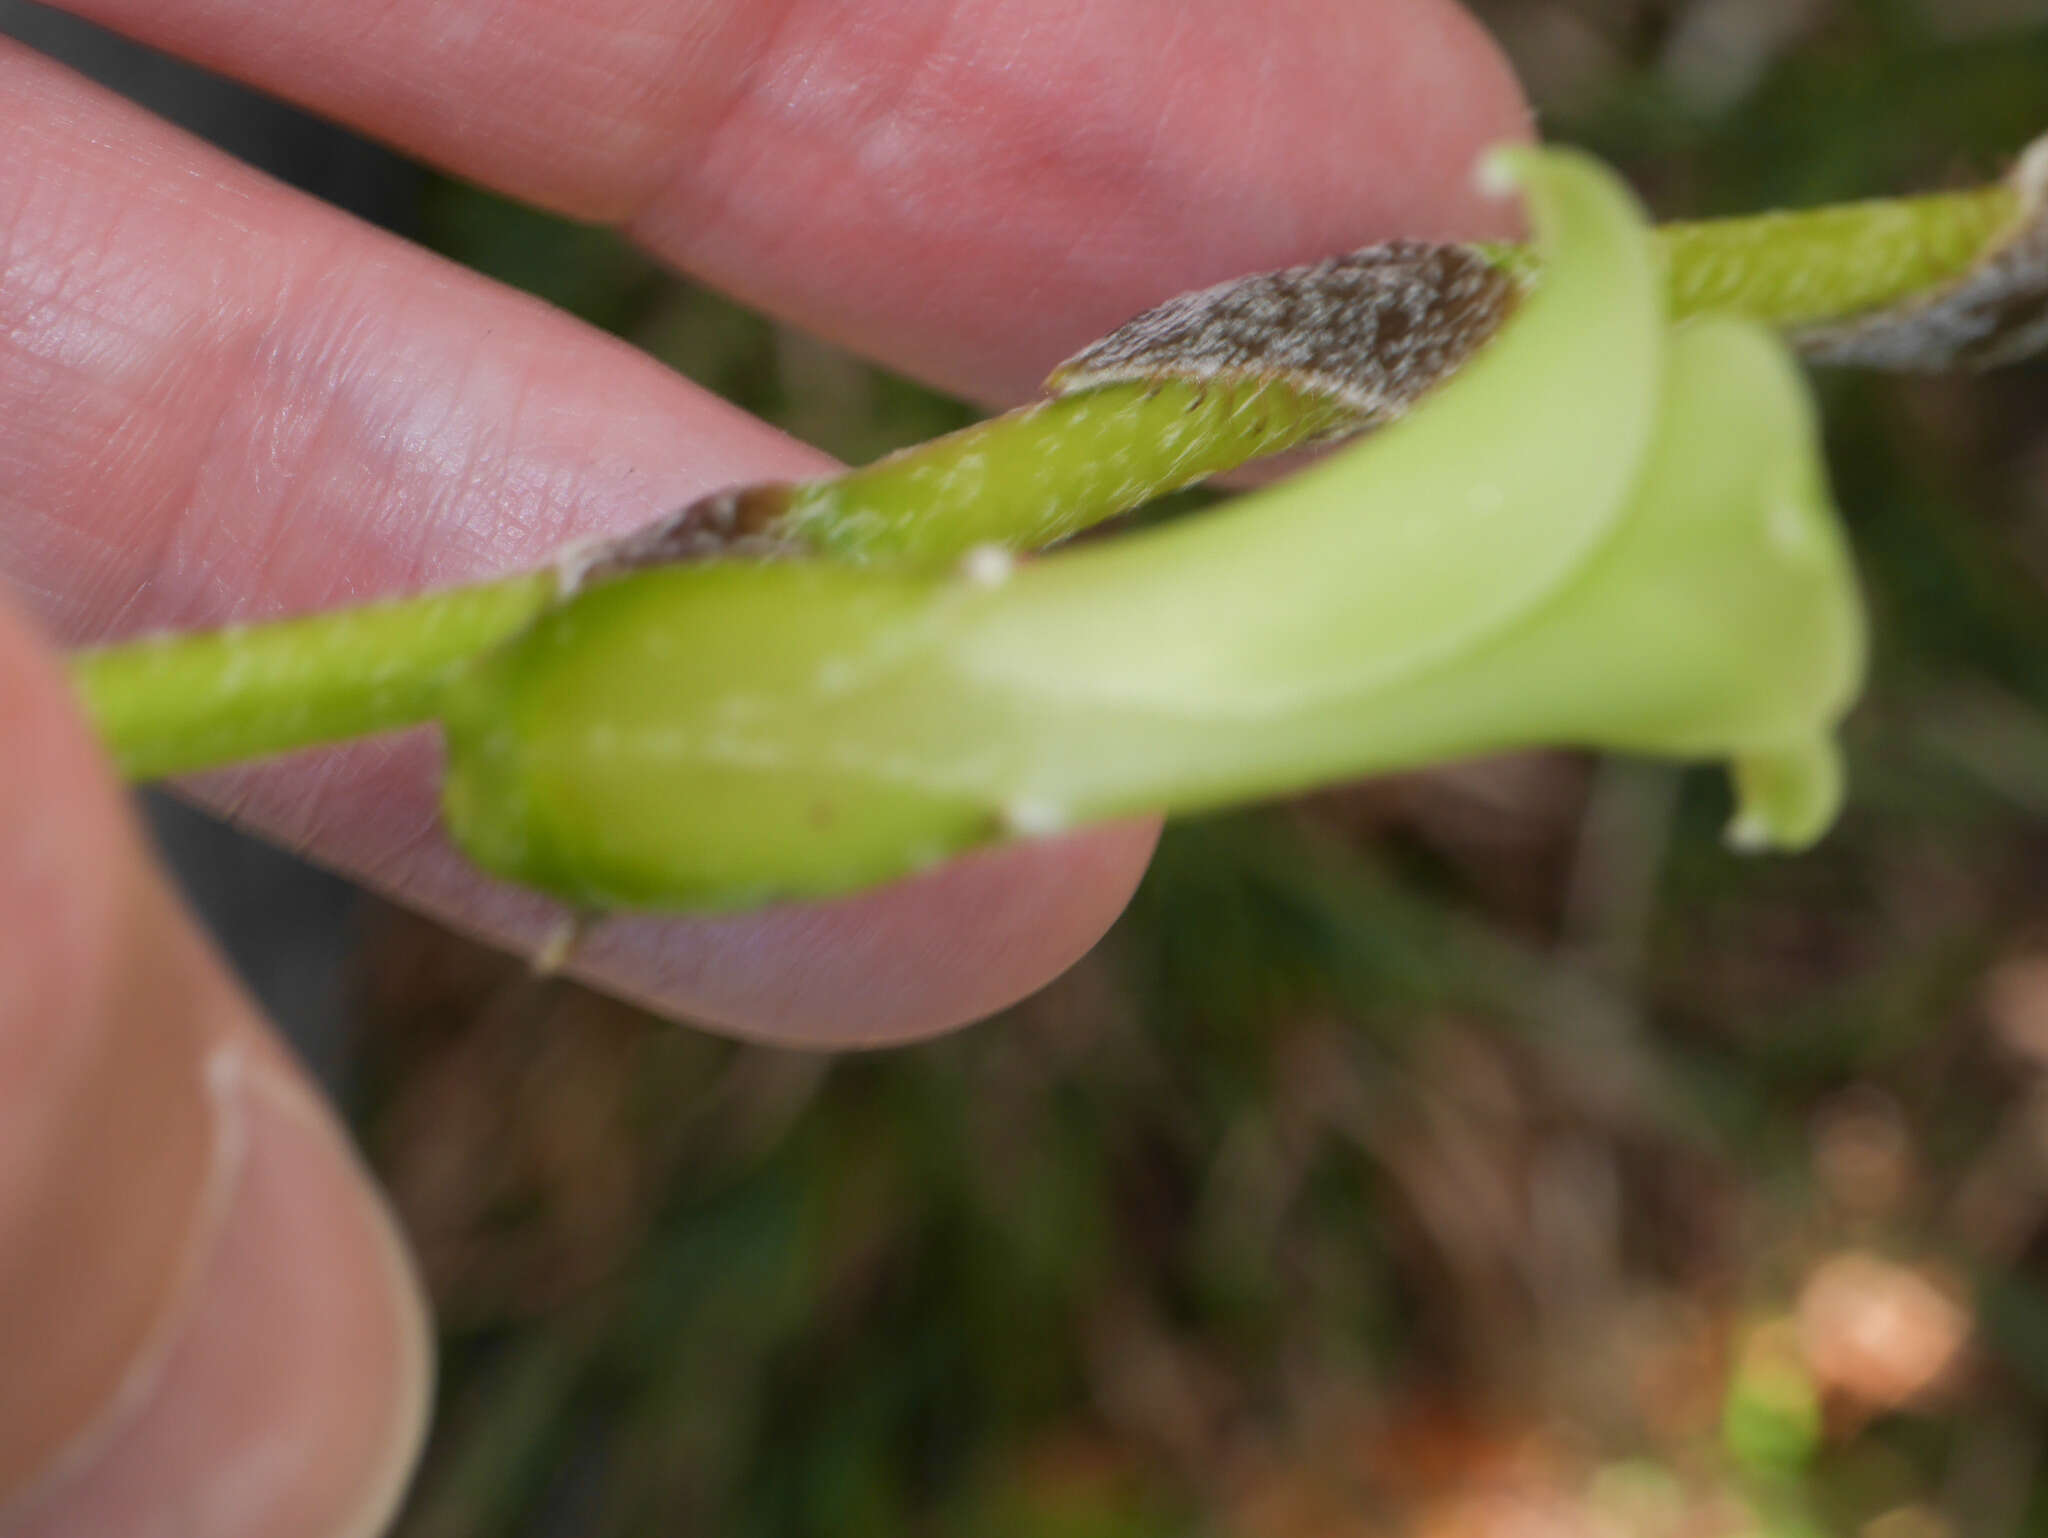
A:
[221,400]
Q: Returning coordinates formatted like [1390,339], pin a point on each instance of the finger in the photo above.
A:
[220,400]
[967,189]
[205,1316]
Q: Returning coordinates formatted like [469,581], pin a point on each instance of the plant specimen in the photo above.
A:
[1586,508]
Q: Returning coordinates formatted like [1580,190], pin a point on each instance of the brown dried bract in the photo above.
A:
[739,521]
[1376,329]
[1995,314]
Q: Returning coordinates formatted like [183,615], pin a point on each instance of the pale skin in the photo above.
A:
[220,400]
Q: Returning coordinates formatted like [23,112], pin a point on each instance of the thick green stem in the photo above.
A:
[1021,481]
[175,704]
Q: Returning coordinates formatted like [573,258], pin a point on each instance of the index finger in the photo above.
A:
[964,189]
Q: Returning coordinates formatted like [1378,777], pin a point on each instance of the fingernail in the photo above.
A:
[290,1394]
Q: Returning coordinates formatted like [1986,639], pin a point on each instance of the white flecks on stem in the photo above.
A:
[1027,817]
[988,566]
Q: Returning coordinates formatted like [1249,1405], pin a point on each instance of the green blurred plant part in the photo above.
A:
[1597,533]
[1771,1422]
[1191,388]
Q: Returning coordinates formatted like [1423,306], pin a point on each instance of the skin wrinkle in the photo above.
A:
[279,367]
[1002,136]
[70,316]
[716,77]
[352,360]
[494,474]
[897,125]
[320,811]
[713,173]
[408,838]
[354,364]
[1154,158]
[218,549]
[151,368]
[439,430]
[289,437]
[663,92]
[149,540]
[645,90]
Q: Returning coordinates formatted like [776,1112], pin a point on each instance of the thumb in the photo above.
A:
[207,1321]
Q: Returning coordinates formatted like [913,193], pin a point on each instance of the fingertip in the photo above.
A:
[291,1395]
[1010,920]
[927,955]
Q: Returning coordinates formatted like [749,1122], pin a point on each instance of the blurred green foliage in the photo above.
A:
[1426,1158]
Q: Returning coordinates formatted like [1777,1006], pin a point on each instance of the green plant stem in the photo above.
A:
[1029,478]
[1037,475]
[1828,264]
[181,703]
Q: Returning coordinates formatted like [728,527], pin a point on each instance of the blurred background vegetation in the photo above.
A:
[1482,1154]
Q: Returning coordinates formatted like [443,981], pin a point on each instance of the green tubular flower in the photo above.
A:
[1599,533]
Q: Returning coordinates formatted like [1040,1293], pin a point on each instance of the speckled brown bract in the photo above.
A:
[1376,329]
[1995,314]
[739,521]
